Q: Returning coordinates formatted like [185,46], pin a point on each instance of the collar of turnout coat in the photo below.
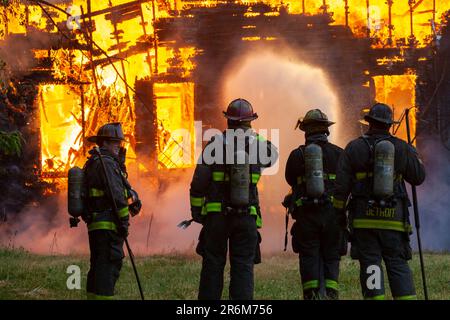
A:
[316,137]
[104,152]
[377,132]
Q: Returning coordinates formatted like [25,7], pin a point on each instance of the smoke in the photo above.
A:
[16,52]
[433,200]
[281,89]
[44,229]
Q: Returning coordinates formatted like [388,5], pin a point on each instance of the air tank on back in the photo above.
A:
[314,171]
[75,204]
[383,170]
[240,180]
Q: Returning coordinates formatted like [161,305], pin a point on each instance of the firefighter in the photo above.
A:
[224,199]
[316,235]
[106,237]
[372,170]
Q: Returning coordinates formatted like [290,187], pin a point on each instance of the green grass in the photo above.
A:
[29,276]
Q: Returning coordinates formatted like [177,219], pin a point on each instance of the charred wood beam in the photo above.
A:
[125,7]
[140,47]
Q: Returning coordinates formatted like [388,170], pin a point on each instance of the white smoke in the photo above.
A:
[281,89]
[432,196]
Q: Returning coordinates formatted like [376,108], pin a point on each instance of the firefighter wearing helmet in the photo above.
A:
[370,183]
[106,236]
[224,199]
[316,234]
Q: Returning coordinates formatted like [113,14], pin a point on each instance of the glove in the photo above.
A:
[136,205]
[135,208]
[287,200]
[197,215]
[122,229]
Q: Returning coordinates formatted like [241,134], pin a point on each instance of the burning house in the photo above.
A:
[158,66]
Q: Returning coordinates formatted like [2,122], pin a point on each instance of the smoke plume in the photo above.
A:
[433,200]
[281,89]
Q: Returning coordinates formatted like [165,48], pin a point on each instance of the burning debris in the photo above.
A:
[67,67]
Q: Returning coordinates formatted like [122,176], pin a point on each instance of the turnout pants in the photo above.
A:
[316,237]
[221,231]
[106,261]
[370,246]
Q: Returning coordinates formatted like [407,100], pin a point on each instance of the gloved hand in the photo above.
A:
[135,206]
[287,200]
[196,214]
[122,229]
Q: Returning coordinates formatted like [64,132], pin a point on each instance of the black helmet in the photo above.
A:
[314,120]
[240,110]
[109,131]
[380,112]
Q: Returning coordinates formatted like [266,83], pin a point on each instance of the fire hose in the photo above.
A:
[416,215]
[116,217]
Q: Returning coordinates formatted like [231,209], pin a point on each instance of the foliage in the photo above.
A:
[11,143]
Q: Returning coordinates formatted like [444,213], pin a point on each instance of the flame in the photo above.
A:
[398,91]
[108,71]
[60,128]
[175,111]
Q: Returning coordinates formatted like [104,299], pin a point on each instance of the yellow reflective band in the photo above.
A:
[332,284]
[299,202]
[338,204]
[413,297]
[331,176]
[362,175]
[260,138]
[123,212]
[255,178]
[254,212]
[258,222]
[214,207]
[381,224]
[102,225]
[379,297]
[197,201]
[312,284]
[93,296]
[96,193]
[299,180]
[218,176]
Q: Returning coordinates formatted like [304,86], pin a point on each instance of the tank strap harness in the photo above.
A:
[212,207]
[313,181]
[374,200]
[103,220]
[380,178]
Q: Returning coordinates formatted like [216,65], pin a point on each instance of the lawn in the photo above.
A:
[24,275]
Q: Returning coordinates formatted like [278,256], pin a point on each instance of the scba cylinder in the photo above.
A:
[383,170]
[75,204]
[240,180]
[314,171]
